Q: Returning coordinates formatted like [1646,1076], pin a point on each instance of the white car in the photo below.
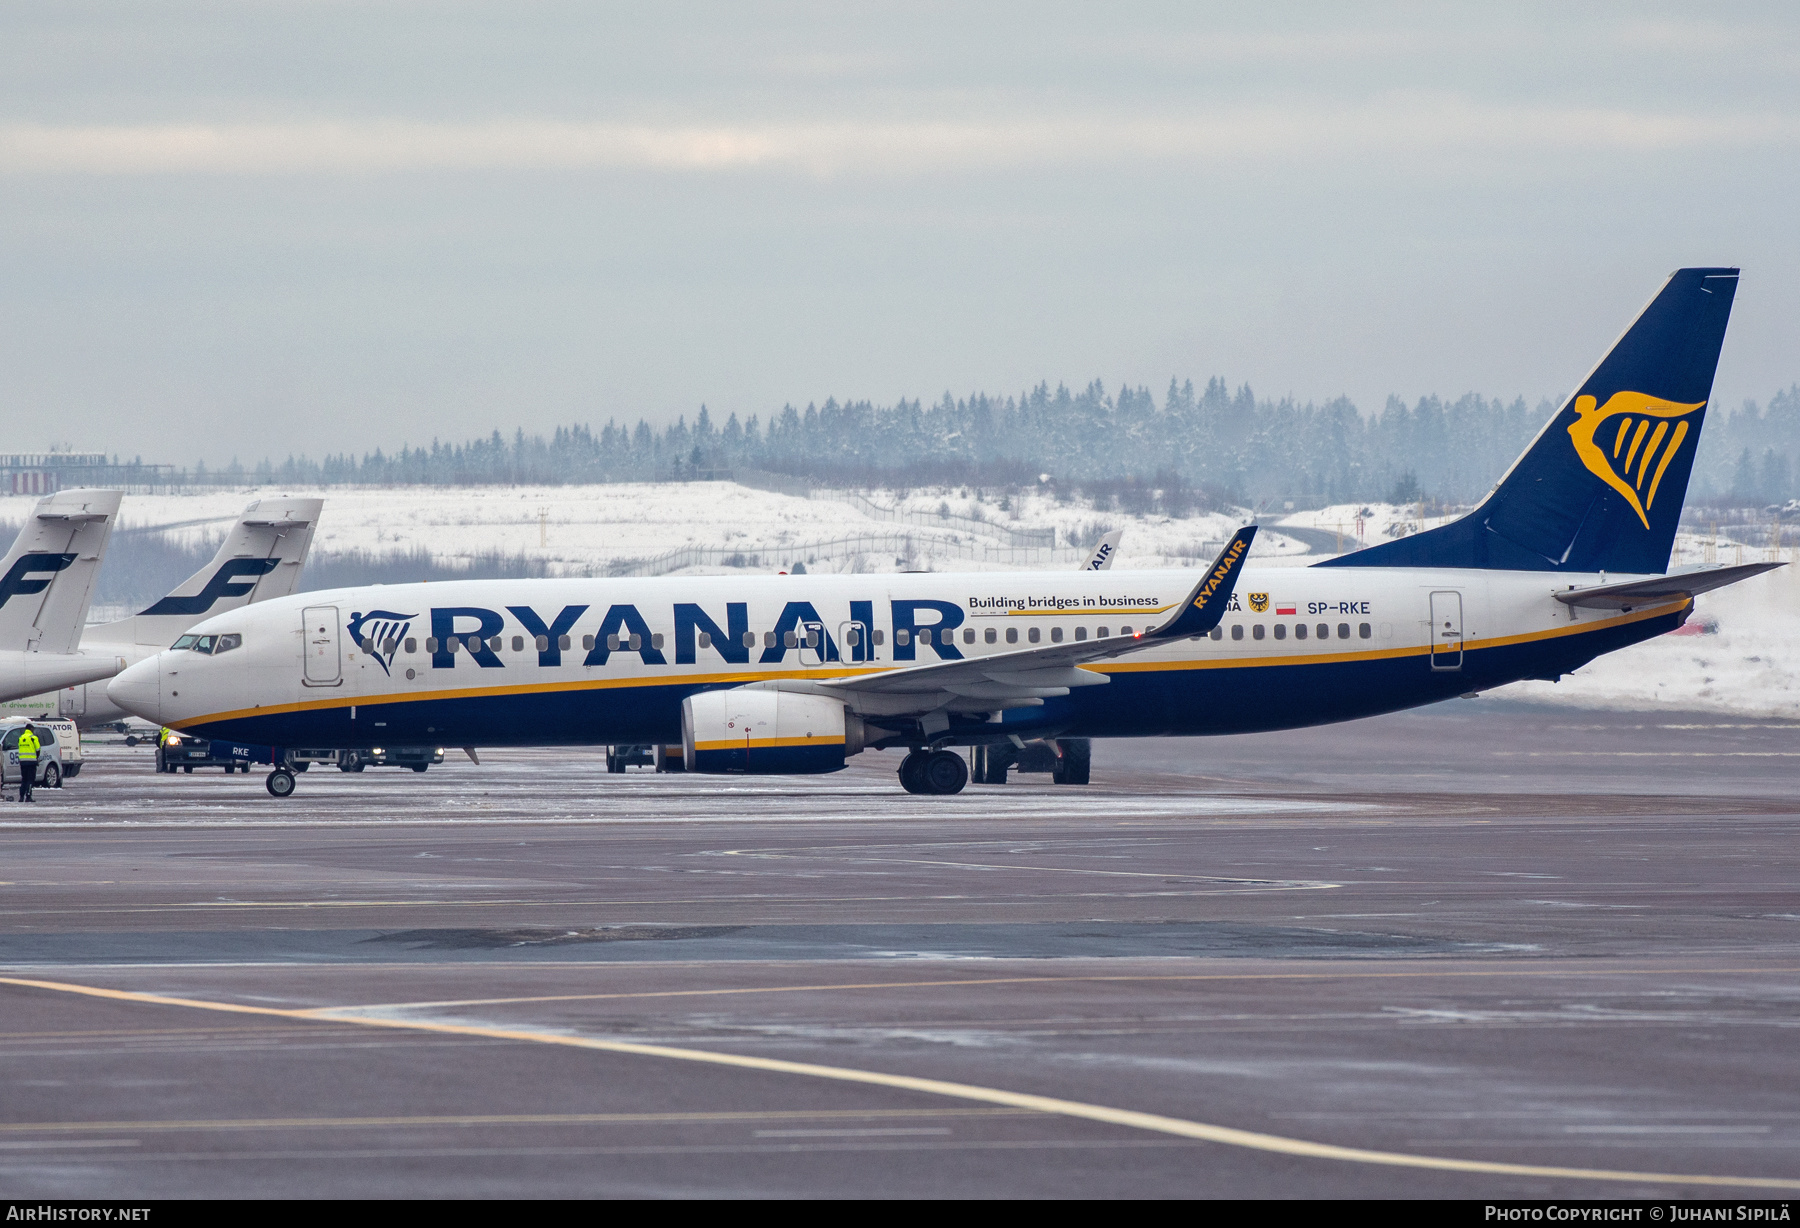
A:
[59,756]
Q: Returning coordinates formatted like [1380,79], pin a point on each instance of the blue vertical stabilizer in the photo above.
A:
[1601,487]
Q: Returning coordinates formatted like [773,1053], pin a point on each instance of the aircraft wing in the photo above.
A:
[1029,676]
[1633,593]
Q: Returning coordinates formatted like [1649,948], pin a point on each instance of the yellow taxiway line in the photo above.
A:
[1130,1118]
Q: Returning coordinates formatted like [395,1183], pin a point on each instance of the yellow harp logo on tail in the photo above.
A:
[1640,448]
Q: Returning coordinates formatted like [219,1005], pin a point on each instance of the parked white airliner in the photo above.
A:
[1564,560]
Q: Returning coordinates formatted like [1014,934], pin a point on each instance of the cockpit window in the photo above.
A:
[204,643]
[226,643]
[186,641]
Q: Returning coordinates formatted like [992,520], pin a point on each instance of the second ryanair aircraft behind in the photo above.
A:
[1565,559]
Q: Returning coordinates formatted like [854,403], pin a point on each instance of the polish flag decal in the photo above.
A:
[1284,609]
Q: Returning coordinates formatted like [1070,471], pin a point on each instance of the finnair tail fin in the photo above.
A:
[261,558]
[47,578]
[1601,487]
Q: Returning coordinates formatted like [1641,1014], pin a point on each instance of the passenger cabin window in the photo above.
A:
[1299,631]
[227,643]
[902,636]
[518,643]
[925,636]
[587,643]
[790,639]
[990,635]
[852,637]
[542,643]
[1034,635]
[431,644]
[1127,631]
[880,637]
[968,635]
[705,639]
[768,639]
[749,639]
[1237,631]
[1056,635]
[1343,632]
[1364,630]
[496,644]
[1217,633]
[1281,631]
[1081,633]
[412,644]
[1101,633]
[1012,635]
[1324,631]
[562,642]
[1256,632]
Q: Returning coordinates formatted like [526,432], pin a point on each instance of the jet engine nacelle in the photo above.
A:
[767,732]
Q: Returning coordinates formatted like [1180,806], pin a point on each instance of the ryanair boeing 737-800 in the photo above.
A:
[1564,560]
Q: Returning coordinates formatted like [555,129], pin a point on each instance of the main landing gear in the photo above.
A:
[935,771]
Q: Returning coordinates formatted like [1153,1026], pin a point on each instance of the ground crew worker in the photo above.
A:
[28,760]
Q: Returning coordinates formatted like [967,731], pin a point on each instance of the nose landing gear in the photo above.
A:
[937,771]
[280,783]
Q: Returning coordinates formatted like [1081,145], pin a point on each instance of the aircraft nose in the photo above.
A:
[139,690]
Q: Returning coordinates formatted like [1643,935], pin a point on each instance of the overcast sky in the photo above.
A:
[255,228]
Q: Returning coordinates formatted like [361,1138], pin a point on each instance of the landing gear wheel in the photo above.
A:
[990,765]
[1073,763]
[912,772]
[280,783]
[52,776]
[944,772]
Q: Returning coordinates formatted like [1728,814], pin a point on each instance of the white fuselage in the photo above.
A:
[1297,646]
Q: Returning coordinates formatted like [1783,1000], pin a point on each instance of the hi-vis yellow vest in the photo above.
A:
[28,746]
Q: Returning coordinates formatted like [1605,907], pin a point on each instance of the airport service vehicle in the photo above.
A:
[183,752]
[59,752]
[46,583]
[418,758]
[1565,559]
[259,559]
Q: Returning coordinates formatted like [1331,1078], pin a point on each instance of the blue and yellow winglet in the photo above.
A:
[1205,606]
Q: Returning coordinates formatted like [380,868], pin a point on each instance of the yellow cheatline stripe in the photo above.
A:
[1085,611]
[829,673]
[1129,1118]
[1418,650]
[818,673]
[768,743]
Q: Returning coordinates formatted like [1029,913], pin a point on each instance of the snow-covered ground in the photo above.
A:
[1751,666]
[580,530]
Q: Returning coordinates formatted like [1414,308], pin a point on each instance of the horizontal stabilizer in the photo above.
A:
[1630,594]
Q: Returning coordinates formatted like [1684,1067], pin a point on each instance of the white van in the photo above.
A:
[59,756]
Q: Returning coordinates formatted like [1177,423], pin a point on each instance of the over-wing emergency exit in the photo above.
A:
[1564,560]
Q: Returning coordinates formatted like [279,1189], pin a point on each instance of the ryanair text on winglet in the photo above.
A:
[1220,572]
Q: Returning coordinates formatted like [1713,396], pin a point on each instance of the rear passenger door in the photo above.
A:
[1446,631]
